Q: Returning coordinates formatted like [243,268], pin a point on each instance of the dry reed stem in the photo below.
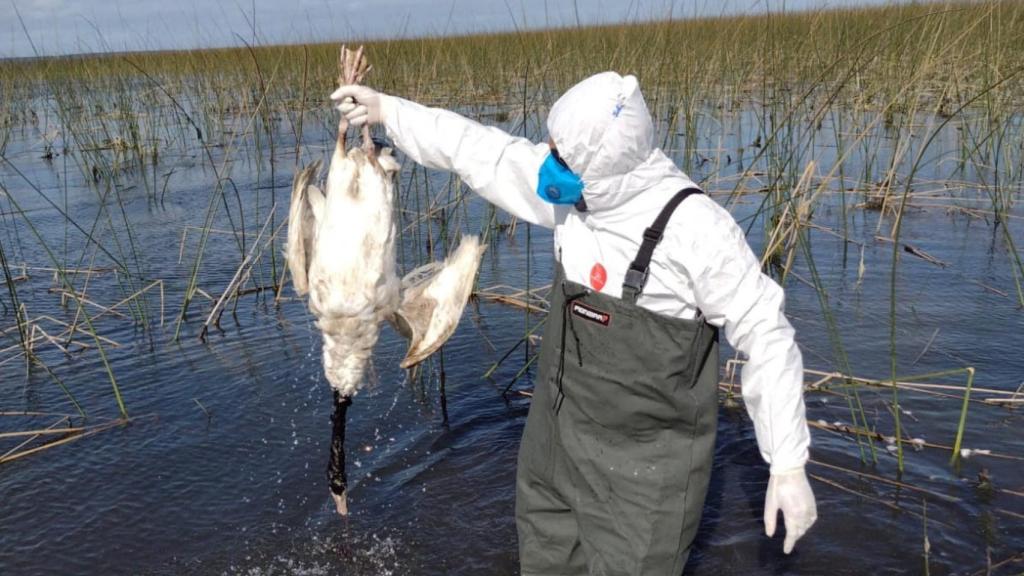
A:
[884,480]
[29,413]
[279,289]
[68,271]
[913,250]
[976,212]
[50,339]
[75,436]
[241,275]
[824,376]
[523,299]
[785,232]
[69,333]
[987,571]
[1009,513]
[991,289]
[79,310]
[64,295]
[1012,492]
[21,345]
[68,328]
[927,347]
[136,295]
[13,356]
[510,301]
[1008,402]
[43,432]
[832,232]
[857,430]
[27,441]
[43,335]
[875,499]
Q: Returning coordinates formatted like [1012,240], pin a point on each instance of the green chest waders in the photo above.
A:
[616,455]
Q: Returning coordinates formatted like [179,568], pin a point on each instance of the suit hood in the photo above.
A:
[604,132]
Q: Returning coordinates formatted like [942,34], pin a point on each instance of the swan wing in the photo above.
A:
[434,298]
[301,227]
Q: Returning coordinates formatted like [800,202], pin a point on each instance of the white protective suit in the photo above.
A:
[603,130]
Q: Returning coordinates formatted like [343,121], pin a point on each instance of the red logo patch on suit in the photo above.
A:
[598,277]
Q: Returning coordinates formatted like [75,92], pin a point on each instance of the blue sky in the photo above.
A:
[75,26]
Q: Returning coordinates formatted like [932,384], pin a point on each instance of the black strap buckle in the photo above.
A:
[636,279]
[636,275]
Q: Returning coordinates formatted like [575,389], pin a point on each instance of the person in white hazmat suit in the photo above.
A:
[616,454]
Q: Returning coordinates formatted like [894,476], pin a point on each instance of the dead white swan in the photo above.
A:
[341,251]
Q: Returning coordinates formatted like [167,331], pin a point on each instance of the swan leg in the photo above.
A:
[343,79]
[336,466]
[368,146]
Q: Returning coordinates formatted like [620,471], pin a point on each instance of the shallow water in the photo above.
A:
[223,469]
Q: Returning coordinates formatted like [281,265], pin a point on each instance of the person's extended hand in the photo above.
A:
[791,493]
[359,104]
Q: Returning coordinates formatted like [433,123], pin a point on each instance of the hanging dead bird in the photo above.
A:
[341,251]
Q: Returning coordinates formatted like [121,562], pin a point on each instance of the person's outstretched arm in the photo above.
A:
[501,168]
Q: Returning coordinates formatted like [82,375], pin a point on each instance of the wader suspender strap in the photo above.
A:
[636,276]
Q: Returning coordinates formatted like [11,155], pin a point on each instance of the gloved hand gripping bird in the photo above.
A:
[341,251]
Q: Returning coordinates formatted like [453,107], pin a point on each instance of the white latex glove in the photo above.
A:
[359,104]
[791,493]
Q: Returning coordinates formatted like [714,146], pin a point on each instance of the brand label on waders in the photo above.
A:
[592,314]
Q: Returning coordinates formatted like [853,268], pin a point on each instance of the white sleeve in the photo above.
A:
[732,292]
[501,168]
